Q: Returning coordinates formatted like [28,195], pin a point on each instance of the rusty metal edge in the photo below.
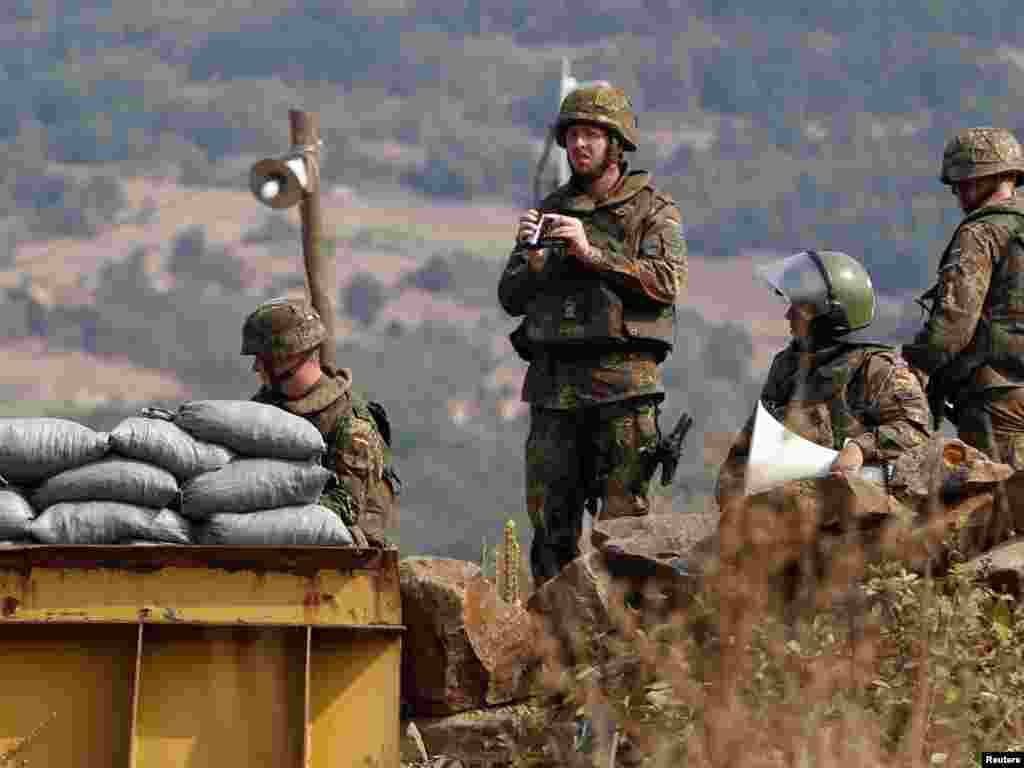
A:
[62,621]
[301,560]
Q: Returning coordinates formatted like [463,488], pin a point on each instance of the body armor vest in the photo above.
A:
[995,355]
[826,403]
[575,306]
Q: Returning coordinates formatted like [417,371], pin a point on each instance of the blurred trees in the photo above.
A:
[773,128]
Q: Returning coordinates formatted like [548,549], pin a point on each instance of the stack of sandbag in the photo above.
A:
[16,514]
[267,493]
[80,491]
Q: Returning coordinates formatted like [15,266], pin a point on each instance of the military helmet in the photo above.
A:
[978,152]
[282,327]
[835,284]
[601,104]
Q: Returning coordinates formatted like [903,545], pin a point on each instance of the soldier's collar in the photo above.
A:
[332,385]
[571,199]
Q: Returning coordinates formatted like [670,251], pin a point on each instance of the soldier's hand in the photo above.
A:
[849,460]
[571,230]
[528,224]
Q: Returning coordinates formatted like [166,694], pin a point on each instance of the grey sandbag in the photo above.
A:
[111,479]
[310,525]
[251,485]
[33,449]
[15,515]
[108,522]
[252,429]
[167,445]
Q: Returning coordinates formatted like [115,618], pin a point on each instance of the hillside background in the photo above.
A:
[131,251]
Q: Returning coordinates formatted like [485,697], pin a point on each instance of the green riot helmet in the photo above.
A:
[601,104]
[282,327]
[978,152]
[835,284]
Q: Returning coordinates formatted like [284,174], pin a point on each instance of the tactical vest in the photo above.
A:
[575,306]
[827,403]
[995,355]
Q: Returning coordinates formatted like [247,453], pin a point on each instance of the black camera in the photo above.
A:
[542,237]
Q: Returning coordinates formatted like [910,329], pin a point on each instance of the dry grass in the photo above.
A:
[874,665]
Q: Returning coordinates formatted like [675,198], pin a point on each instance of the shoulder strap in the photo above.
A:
[985,212]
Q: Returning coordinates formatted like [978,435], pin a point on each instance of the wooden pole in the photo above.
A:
[320,273]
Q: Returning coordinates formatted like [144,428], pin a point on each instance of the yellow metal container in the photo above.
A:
[205,657]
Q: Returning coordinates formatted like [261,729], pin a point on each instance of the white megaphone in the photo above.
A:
[280,182]
[778,455]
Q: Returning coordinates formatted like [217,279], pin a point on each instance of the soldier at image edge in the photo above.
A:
[284,337]
[596,287]
[970,351]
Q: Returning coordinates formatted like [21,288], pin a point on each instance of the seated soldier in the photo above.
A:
[284,335]
[835,388]
[830,385]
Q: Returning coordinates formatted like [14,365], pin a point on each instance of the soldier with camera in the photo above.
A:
[595,273]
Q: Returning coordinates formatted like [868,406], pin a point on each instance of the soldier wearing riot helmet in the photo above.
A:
[970,351]
[832,385]
[284,336]
[595,272]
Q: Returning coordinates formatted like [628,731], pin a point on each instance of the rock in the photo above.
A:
[676,532]
[464,647]
[577,597]
[485,738]
[947,466]
[660,556]
[1004,566]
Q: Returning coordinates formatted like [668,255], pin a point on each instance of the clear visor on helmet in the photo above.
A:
[797,279]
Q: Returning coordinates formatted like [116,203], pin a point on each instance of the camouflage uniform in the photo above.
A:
[357,451]
[594,336]
[861,392]
[357,432]
[971,349]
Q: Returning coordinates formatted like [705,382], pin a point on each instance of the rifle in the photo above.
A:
[667,452]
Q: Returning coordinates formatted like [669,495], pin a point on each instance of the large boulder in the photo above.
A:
[665,532]
[464,647]
[1002,566]
[488,738]
[647,561]
[657,556]
[578,598]
[944,469]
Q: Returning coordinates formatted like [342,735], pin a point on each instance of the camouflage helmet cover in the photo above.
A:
[282,327]
[601,104]
[834,283]
[978,152]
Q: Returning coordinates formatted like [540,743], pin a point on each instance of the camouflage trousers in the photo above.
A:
[995,425]
[590,454]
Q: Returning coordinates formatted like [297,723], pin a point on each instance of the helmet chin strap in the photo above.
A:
[832,323]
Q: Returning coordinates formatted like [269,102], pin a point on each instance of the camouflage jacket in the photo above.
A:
[639,256]
[358,446]
[973,339]
[866,393]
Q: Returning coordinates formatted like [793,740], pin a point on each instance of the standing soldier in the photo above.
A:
[284,335]
[597,281]
[971,349]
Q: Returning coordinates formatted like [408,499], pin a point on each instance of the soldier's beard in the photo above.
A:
[587,177]
[612,156]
